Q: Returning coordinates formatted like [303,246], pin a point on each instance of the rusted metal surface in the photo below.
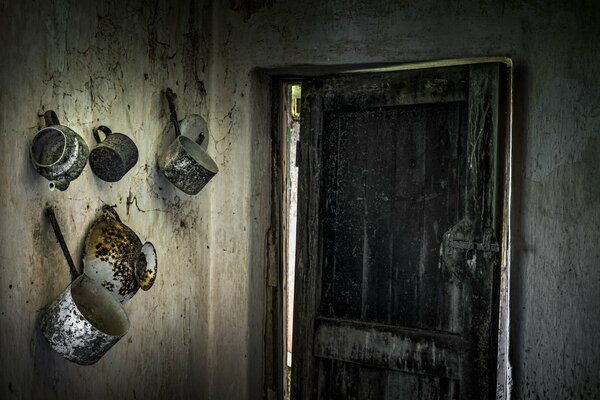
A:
[58,153]
[112,158]
[115,257]
[185,163]
[187,166]
[84,322]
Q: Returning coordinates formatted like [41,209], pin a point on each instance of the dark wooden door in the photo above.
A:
[399,211]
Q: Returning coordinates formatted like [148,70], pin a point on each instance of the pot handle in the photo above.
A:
[61,240]
[61,184]
[50,118]
[200,139]
[170,100]
[146,266]
[104,129]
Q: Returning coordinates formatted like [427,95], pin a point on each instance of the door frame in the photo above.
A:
[275,325]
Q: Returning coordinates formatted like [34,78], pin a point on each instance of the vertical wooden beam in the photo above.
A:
[309,249]
[480,182]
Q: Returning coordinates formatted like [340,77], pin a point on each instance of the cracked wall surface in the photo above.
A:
[103,63]
[199,332]
[556,219]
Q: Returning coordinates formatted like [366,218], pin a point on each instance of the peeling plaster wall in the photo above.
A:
[556,194]
[199,331]
[103,63]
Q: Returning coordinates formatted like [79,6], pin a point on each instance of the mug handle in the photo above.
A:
[50,118]
[104,129]
[200,139]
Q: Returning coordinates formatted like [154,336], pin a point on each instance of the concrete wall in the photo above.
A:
[102,62]
[199,331]
[556,50]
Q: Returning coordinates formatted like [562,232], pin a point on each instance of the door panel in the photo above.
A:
[382,166]
[342,380]
[407,350]
[396,254]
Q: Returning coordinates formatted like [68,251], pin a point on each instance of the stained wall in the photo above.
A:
[199,332]
[555,47]
[102,63]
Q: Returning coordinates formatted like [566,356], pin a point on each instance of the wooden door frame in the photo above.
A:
[276,277]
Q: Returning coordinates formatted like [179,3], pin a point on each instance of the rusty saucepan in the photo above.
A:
[85,321]
[185,163]
[58,153]
[114,156]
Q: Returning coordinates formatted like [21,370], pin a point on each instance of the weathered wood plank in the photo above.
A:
[308,252]
[479,379]
[440,210]
[348,230]
[371,386]
[377,236]
[407,217]
[331,165]
[401,386]
[422,352]
[340,380]
[368,91]
[452,309]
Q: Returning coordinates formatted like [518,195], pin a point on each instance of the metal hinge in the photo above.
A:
[487,245]
[463,245]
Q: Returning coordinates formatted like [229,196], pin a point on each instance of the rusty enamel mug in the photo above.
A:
[185,163]
[114,156]
[84,322]
[58,153]
[115,257]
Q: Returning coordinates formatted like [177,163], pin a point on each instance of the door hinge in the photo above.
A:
[487,245]
[482,246]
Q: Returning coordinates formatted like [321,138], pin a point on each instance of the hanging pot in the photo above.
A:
[185,163]
[85,321]
[58,153]
[115,257]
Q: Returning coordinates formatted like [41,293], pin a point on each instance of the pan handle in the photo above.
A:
[50,118]
[200,139]
[171,101]
[61,240]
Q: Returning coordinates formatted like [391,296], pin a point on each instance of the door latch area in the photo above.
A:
[482,246]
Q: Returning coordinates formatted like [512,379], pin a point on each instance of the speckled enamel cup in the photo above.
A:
[58,153]
[84,322]
[187,166]
[185,163]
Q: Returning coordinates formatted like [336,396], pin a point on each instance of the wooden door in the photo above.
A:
[399,211]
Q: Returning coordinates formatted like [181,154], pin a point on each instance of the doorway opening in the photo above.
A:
[293,92]
[286,107]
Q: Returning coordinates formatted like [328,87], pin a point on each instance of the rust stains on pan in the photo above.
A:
[115,257]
